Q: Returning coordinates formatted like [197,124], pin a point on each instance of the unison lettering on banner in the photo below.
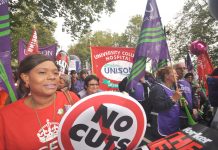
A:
[103,121]
[111,65]
[115,70]
[47,53]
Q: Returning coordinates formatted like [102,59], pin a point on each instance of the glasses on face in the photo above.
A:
[93,85]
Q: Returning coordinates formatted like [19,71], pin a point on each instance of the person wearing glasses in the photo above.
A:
[91,86]
[187,94]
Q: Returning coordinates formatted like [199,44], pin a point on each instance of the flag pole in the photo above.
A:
[151,44]
[171,64]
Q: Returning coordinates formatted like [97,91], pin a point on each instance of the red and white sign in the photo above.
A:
[111,65]
[32,47]
[105,120]
[62,60]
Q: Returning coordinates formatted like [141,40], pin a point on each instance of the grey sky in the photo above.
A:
[118,21]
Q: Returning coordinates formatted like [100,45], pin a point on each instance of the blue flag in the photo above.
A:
[152,45]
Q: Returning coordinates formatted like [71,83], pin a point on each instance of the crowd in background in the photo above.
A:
[38,79]
[161,94]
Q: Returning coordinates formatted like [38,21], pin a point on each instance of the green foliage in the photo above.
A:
[133,29]
[194,23]
[102,38]
[78,14]
[23,16]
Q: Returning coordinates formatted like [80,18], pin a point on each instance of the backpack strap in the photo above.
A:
[68,96]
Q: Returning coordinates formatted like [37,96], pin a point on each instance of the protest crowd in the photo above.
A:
[174,98]
[42,89]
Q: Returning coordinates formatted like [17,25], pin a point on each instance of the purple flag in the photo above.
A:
[152,45]
[6,78]
[188,63]
[49,51]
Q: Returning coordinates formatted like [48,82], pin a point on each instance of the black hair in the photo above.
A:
[89,78]
[83,72]
[73,72]
[215,72]
[26,65]
[188,75]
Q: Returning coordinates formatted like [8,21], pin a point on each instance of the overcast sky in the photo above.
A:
[124,10]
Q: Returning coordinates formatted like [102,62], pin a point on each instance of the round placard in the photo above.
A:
[105,120]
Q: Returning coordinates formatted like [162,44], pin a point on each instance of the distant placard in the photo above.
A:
[106,120]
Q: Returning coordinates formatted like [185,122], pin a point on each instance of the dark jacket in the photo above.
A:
[159,99]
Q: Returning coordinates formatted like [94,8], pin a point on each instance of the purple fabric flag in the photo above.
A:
[49,51]
[189,64]
[157,65]
[5,51]
[152,45]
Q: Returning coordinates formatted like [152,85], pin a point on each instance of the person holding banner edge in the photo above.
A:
[32,122]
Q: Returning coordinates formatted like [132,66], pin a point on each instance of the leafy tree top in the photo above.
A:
[78,14]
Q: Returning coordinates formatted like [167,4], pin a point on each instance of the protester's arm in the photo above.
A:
[159,100]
